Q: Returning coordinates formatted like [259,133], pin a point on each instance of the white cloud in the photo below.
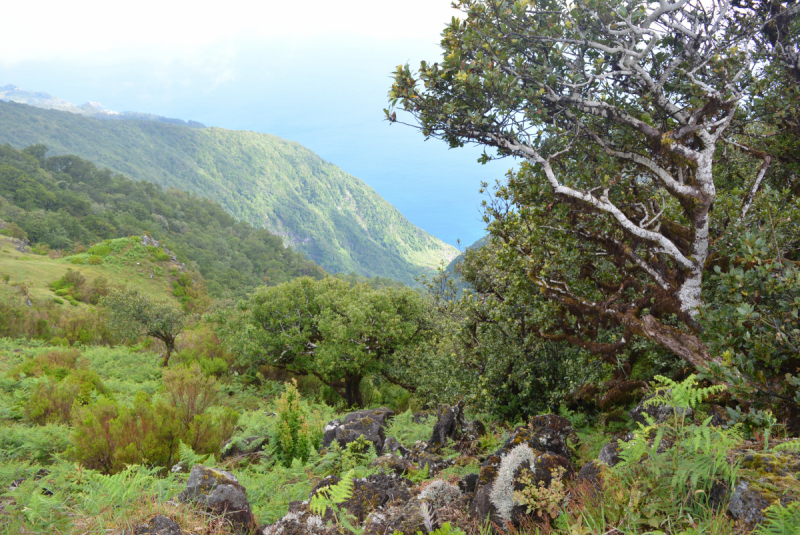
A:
[48,30]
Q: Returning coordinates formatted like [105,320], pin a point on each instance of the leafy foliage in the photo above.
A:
[780,520]
[293,439]
[338,332]
[132,314]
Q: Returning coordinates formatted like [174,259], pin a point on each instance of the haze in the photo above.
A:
[314,72]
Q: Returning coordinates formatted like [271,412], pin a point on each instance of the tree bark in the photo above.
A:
[170,347]
[352,390]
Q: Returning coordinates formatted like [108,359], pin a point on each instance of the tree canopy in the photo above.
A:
[622,114]
[336,331]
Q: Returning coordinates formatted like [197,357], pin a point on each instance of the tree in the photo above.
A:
[132,314]
[618,111]
[337,332]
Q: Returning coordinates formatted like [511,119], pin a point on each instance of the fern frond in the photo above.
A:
[791,445]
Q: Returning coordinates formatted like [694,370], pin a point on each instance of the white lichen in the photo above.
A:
[502,494]
[314,523]
[440,493]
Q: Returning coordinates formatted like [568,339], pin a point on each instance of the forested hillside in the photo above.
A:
[333,217]
[66,203]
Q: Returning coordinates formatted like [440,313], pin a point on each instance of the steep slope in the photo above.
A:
[336,219]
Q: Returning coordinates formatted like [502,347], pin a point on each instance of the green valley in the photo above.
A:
[337,220]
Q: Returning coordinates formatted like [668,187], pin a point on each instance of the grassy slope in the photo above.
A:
[336,219]
[37,272]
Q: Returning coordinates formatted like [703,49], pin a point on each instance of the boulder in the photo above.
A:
[540,447]
[413,517]
[764,479]
[609,453]
[158,525]
[660,413]
[220,493]
[370,494]
[392,446]
[432,461]
[368,423]
[450,424]
[468,483]
[393,464]
[299,520]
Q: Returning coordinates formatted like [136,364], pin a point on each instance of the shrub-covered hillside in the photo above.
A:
[66,203]
[337,220]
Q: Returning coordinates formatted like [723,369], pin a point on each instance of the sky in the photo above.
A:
[316,72]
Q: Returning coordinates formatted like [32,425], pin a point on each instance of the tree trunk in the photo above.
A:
[352,390]
[170,345]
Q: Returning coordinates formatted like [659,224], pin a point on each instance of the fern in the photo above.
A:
[188,456]
[330,498]
[683,395]
[790,445]
[780,520]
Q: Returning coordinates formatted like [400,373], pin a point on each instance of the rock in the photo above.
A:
[299,521]
[450,424]
[147,241]
[411,518]
[746,505]
[474,430]
[433,462]
[370,494]
[219,492]
[660,413]
[393,446]
[393,464]
[368,423]
[158,525]
[21,245]
[28,301]
[468,483]
[440,493]
[609,454]
[244,446]
[541,447]
[764,479]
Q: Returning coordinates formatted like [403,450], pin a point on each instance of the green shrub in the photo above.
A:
[95,260]
[107,436]
[293,440]
[52,399]
[77,260]
[780,520]
[101,249]
[62,292]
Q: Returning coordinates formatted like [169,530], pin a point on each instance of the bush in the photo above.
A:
[74,286]
[108,436]
[77,260]
[101,249]
[64,380]
[293,440]
[95,260]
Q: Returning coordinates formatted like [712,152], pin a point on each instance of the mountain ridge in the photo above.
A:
[333,217]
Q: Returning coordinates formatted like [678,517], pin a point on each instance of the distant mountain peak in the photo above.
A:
[38,99]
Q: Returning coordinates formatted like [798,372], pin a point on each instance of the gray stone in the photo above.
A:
[450,424]
[746,505]
[660,413]
[392,446]
[393,464]
[219,492]
[158,525]
[368,423]
[609,454]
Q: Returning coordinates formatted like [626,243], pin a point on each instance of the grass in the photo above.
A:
[129,263]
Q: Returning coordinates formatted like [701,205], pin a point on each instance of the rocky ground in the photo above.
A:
[388,501]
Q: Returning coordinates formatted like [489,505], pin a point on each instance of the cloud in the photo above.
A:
[35,31]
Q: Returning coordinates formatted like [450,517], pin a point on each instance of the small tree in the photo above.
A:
[131,314]
[335,331]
